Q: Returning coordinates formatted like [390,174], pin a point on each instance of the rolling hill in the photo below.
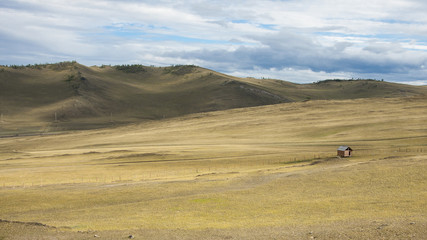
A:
[266,172]
[265,167]
[68,95]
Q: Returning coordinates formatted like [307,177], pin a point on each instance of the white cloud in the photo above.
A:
[296,40]
[291,74]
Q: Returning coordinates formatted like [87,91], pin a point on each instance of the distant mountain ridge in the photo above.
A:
[68,92]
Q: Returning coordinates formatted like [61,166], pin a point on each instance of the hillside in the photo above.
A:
[68,95]
[267,172]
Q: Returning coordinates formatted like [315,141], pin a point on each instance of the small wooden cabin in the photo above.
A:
[344,151]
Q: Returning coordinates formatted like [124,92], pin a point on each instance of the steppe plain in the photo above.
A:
[254,172]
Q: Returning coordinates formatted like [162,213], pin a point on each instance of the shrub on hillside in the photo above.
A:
[134,68]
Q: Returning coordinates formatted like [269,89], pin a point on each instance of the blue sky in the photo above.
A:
[295,40]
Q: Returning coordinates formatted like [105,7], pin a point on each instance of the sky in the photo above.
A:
[300,41]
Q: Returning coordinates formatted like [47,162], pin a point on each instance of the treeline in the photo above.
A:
[54,66]
[127,68]
[133,68]
[352,79]
[137,68]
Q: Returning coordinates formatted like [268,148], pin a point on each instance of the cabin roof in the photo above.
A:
[343,148]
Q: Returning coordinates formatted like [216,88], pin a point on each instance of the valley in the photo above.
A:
[258,172]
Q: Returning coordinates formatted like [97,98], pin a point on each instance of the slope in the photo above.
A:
[68,95]
[267,172]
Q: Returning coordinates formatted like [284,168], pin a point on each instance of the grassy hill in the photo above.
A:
[267,172]
[263,166]
[68,95]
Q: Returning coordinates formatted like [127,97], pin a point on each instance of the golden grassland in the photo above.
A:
[69,96]
[260,172]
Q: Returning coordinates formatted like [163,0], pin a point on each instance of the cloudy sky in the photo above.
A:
[294,40]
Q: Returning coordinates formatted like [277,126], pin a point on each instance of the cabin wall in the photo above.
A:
[346,153]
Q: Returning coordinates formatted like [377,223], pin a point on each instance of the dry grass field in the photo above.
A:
[69,96]
[266,172]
